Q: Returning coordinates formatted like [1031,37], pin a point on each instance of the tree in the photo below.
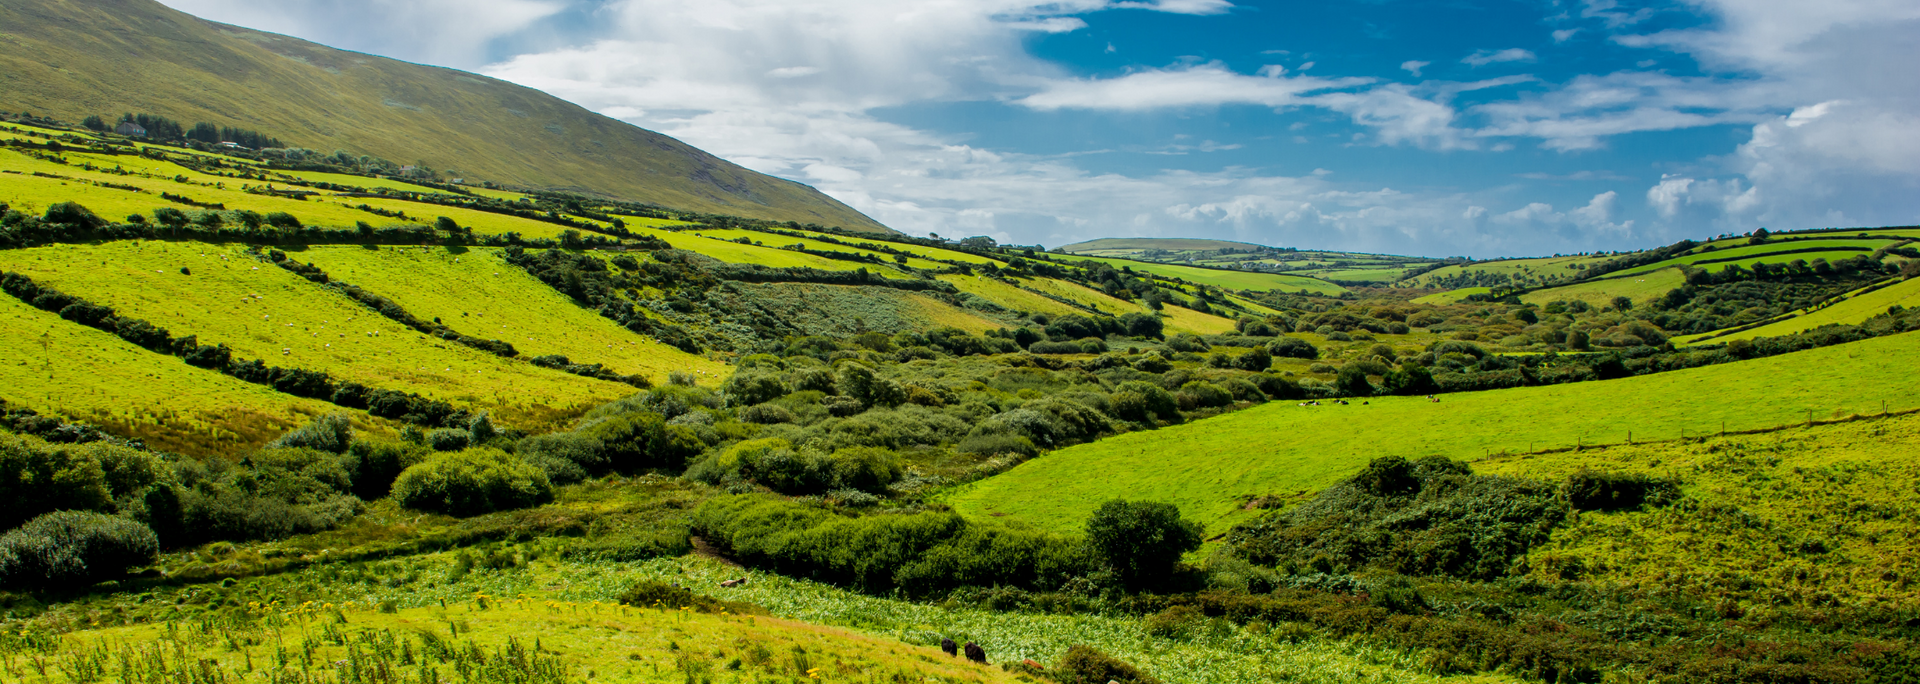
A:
[94,122]
[1622,303]
[1141,541]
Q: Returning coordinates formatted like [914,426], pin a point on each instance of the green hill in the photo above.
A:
[71,59]
[1143,244]
[1285,450]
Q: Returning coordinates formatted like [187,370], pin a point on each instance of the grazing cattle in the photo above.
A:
[950,647]
[975,653]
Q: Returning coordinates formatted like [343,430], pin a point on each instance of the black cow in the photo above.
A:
[975,653]
[950,647]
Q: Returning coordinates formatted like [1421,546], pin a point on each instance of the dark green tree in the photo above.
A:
[1141,541]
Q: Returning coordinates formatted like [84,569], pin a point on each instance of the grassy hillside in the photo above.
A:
[1642,287]
[57,367]
[1282,449]
[1849,311]
[478,293]
[72,59]
[1236,280]
[265,312]
[1807,514]
[1339,266]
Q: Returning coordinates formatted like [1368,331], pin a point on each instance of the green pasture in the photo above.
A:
[1782,518]
[1543,267]
[62,368]
[1081,294]
[1009,296]
[1642,288]
[478,293]
[1235,280]
[32,193]
[1211,468]
[737,253]
[1852,310]
[1777,251]
[265,312]
[780,241]
[848,309]
[910,248]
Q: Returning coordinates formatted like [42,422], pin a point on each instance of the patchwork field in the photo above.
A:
[1641,288]
[478,293]
[59,368]
[1282,449]
[265,312]
[1852,310]
[1234,280]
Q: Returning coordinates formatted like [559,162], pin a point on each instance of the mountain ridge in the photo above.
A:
[72,59]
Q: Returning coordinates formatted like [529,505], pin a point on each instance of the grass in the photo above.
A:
[1082,295]
[573,640]
[568,607]
[1544,268]
[1233,280]
[1819,515]
[1452,296]
[778,241]
[1180,319]
[60,368]
[734,252]
[1852,310]
[478,293]
[1778,251]
[1211,468]
[265,312]
[33,194]
[1642,288]
[316,97]
[847,309]
[1009,296]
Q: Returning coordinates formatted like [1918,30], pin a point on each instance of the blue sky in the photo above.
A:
[1481,128]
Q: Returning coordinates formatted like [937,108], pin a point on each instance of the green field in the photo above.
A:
[1851,310]
[1233,280]
[478,293]
[1288,450]
[1777,251]
[60,368]
[1541,270]
[268,313]
[1642,288]
[1760,498]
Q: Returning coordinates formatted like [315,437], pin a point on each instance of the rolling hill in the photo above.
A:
[72,59]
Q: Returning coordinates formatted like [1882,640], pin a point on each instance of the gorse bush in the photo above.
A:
[39,477]
[73,549]
[1426,517]
[921,554]
[472,482]
[332,432]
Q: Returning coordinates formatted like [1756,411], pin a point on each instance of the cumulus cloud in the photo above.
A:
[1485,57]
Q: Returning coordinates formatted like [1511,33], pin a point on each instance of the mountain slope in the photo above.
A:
[70,59]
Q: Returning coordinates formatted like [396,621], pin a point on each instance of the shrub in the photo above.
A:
[657,594]
[1293,348]
[472,482]
[997,445]
[641,441]
[748,389]
[449,439]
[868,469]
[1141,541]
[376,464]
[73,549]
[72,214]
[766,414]
[1057,348]
[1202,394]
[1590,490]
[331,432]
[1187,342]
[38,477]
[1087,665]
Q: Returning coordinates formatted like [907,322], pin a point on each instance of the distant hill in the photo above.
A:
[1169,244]
[1344,268]
[70,59]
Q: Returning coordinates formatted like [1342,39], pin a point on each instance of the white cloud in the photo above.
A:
[1180,6]
[1485,57]
[1564,35]
[446,32]
[1413,66]
[1667,196]
[1203,85]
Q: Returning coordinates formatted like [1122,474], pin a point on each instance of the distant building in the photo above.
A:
[130,129]
[404,170]
[234,146]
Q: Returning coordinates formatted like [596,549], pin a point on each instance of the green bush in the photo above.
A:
[1426,517]
[1293,348]
[1202,394]
[1087,665]
[449,439]
[374,465]
[1143,401]
[73,549]
[997,445]
[1591,490]
[472,482]
[331,432]
[1141,541]
[637,442]
[567,457]
[658,594]
[38,477]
